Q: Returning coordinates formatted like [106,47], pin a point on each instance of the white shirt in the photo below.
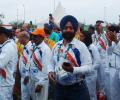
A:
[8,63]
[101,44]
[95,37]
[81,61]
[42,53]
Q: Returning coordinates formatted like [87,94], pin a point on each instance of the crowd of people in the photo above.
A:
[60,62]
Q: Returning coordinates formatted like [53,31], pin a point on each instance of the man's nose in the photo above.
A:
[68,29]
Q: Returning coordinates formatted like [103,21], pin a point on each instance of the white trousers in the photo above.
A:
[43,95]
[25,91]
[101,78]
[107,84]
[6,93]
[91,83]
[114,84]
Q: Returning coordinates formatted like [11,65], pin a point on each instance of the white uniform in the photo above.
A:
[40,59]
[91,78]
[8,63]
[95,37]
[76,53]
[103,71]
[114,55]
[24,70]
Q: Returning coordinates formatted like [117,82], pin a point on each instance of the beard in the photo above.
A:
[68,36]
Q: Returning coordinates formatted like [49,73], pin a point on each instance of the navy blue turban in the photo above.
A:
[67,19]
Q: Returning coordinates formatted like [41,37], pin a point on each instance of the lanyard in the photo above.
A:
[26,50]
[35,60]
[58,55]
[34,48]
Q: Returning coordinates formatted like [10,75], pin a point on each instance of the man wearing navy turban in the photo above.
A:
[69,22]
[71,60]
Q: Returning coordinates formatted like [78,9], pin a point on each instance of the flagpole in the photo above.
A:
[105,15]
[119,19]
[17,17]
[24,12]
[54,5]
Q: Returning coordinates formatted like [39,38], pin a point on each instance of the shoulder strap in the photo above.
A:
[40,51]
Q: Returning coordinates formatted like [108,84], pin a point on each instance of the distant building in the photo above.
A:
[58,14]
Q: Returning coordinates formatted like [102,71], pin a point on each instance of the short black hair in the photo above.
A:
[92,27]
[88,38]
[56,27]
[114,28]
[50,14]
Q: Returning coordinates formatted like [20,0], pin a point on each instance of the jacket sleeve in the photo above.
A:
[86,61]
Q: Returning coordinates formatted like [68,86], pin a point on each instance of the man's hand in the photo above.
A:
[51,77]
[38,89]
[26,80]
[68,67]
[113,36]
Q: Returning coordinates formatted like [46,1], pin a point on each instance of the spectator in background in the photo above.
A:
[58,31]
[17,86]
[26,28]
[17,32]
[51,20]
[113,51]
[77,36]
[91,29]
[51,37]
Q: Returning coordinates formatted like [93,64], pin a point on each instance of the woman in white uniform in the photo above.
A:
[91,78]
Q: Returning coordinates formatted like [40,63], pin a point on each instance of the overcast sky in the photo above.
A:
[85,10]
